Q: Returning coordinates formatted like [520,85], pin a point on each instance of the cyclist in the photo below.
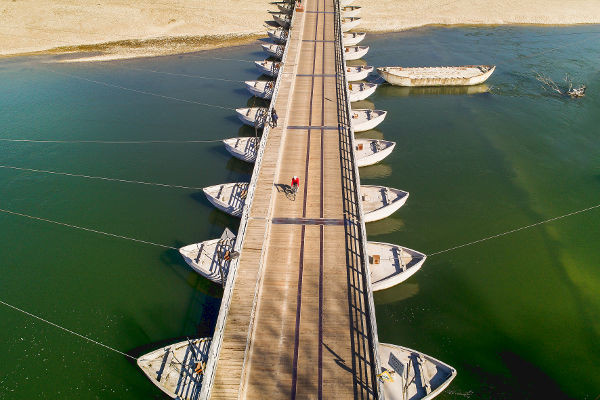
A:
[295,183]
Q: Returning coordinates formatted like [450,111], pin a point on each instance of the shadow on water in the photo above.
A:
[387,90]
[526,381]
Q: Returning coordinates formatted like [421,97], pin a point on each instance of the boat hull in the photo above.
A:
[251,119]
[386,208]
[173,368]
[232,202]
[359,95]
[358,73]
[244,149]
[407,81]
[278,36]
[354,12]
[377,118]
[274,50]
[269,69]
[264,91]
[349,25]
[355,55]
[283,22]
[402,360]
[352,39]
[391,269]
[373,158]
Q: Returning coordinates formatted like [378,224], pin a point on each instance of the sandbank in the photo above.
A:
[116,29]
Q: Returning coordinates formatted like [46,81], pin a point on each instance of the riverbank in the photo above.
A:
[114,29]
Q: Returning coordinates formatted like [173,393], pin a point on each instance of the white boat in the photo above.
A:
[354,52]
[278,35]
[409,374]
[253,116]
[283,20]
[437,76]
[270,68]
[360,91]
[262,89]
[286,7]
[345,3]
[390,264]
[211,258]
[243,148]
[358,73]
[349,23]
[379,202]
[275,50]
[350,11]
[372,151]
[352,38]
[364,120]
[177,369]
[228,197]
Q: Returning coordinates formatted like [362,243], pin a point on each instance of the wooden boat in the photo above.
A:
[243,148]
[360,91]
[228,197]
[177,369]
[262,89]
[270,68]
[274,50]
[379,202]
[354,52]
[253,116]
[437,76]
[358,73]
[278,35]
[372,151]
[349,23]
[364,120]
[352,38]
[350,11]
[211,258]
[390,264]
[409,374]
[345,3]
[283,20]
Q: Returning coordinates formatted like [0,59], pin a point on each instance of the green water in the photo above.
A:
[517,316]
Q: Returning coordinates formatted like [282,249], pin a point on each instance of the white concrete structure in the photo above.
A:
[354,52]
[360,91]
[437,76]
[177,369]
[262,89]
[380,202]
[364,120]
[390,264]
[253,116]
[415,376]
[372,151]
[228,197]
[270,68]
[243,148]
[358,73]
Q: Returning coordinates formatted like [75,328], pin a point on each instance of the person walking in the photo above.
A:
[274,118]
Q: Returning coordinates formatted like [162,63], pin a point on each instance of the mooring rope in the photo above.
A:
[111,141]
[514,230]
[87,229]
[67,330]
[99,177]
[139,91]
[212,78]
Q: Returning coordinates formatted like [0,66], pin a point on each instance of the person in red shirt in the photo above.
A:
[295,183]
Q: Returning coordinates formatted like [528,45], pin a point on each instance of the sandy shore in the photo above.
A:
[120,29]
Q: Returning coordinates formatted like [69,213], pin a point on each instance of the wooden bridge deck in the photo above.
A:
[295,328]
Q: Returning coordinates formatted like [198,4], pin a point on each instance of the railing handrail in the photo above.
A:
[217,340]
[363,237]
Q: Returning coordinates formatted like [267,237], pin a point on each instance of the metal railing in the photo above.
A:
[217,341]
[362,292]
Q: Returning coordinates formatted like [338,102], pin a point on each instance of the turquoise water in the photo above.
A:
[517,316]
